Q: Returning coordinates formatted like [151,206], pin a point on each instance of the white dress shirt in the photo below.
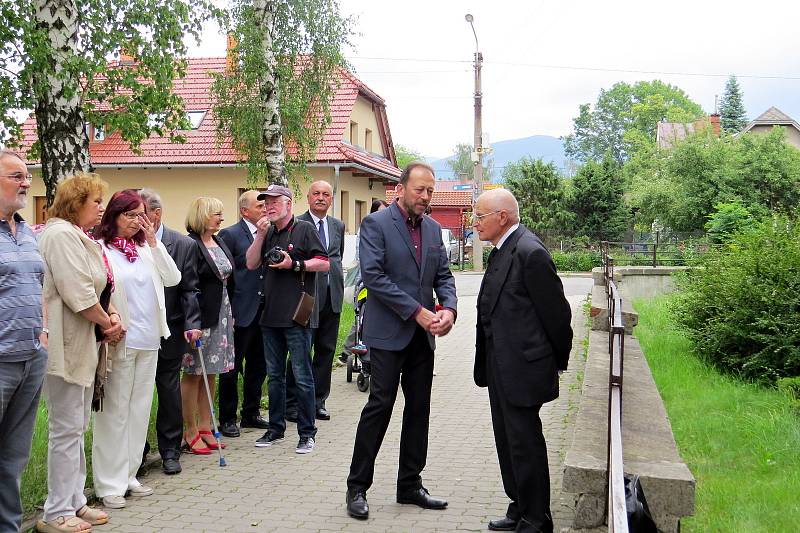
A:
[324,227]
[506,235]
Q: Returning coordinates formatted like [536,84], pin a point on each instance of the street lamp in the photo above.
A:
[477,154]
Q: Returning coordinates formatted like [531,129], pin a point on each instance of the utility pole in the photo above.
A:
[477,154]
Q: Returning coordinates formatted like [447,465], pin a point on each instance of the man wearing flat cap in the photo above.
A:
[292,253]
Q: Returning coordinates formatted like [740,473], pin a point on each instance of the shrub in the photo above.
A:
[726,220]
[741,307]
[576,261]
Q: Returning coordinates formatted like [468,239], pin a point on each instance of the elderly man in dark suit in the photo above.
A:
[183,319]
[523,341]
[403,263]
[329,294]
[248,303]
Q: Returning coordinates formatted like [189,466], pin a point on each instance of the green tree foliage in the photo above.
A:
[54,59]
[625,117]
[727,220]
[288,57]
[596,201]
[461,163]
[406,155]
[540,191]
[733,117]
[681,187]
[741,308]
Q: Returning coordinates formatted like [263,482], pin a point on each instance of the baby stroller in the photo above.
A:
[358,360]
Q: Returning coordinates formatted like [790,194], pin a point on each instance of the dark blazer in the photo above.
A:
[249,284]
[183,307]
[210,281]
[524,319]
[396,283]
[335,276]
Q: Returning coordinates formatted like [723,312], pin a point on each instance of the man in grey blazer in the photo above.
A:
[403,263]
[247,301]
[329,292]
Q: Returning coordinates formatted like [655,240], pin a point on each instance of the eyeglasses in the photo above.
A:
[132,215]
[19,178]
[473,218]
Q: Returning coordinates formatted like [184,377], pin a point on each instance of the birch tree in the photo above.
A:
[63,59]
[284,69]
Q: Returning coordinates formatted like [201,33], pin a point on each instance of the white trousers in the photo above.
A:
[120,429]
[69,408]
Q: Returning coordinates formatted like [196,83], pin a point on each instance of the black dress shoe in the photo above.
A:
[258,422]
[171,465]
[421,498]
[229,429]
[503,524]
[357,505]
[544,526]
[323,414]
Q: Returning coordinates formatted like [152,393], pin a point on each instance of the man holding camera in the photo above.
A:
[293,253]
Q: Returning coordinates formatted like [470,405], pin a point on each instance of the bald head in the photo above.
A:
[495,212]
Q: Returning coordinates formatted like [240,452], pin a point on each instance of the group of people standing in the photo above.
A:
[106,303]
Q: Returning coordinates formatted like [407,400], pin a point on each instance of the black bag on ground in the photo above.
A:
[639,518]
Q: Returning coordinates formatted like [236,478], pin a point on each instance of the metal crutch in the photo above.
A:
[214,427]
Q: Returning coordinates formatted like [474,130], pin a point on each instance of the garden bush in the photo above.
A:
[741,306]
[579,261]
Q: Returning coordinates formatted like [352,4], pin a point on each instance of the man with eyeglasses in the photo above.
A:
[23,337]
[523,340]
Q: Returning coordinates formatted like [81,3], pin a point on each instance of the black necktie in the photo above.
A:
[322,235]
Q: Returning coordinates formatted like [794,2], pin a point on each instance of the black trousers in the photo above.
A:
[323,342]
[250,362]
[412,369]
[169,417]
[522,452]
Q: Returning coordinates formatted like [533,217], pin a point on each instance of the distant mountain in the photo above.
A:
[550,149]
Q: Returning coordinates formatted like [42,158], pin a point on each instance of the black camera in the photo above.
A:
[274,256]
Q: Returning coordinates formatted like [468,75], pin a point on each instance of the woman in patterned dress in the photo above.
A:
[215,271]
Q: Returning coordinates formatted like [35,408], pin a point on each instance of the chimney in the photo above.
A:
[125,57]
[714,120]
[231,57]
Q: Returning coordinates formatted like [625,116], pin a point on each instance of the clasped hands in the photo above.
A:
[116,332]
[439,323]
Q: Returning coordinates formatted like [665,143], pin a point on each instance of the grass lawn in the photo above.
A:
[741,441]
[34,478]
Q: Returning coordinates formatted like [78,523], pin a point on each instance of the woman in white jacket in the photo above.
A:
[142,268]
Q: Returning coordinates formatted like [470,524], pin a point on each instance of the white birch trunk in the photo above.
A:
[268,92]
[64,144]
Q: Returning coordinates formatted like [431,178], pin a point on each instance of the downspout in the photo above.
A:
[336,190]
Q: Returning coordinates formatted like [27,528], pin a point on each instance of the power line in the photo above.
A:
[584,68]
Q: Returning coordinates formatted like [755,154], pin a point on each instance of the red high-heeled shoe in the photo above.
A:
[189,447]
[211,445]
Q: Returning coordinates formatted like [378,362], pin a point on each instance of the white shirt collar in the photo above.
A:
[316,219]
[506,235]
[250,226]
[160,232]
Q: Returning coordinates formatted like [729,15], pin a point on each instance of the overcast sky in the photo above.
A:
[543,58]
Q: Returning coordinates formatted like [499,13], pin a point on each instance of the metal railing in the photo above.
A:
[617,512]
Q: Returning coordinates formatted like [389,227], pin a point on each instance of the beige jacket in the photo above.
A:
[74,277]
[164,273]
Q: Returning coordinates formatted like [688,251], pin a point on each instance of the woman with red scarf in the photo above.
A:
[142,268]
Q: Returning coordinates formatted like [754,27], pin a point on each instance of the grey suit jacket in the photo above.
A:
[396,283]
[335,277]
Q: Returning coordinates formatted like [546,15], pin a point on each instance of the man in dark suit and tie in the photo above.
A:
[523,341]
[248,302]
[183,319]
[403,263]
[329,294]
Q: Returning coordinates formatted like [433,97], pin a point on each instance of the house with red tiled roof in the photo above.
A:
[355,155]
[448,206]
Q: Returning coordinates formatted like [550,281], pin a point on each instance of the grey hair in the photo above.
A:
[8,153]
[243,197]
[151,199]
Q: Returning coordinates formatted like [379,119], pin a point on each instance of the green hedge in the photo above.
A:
[741,307]
[582,261]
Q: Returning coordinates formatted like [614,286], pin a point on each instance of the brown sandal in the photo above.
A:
[64,524]
[95,517]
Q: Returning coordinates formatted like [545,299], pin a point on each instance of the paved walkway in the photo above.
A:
[274,489]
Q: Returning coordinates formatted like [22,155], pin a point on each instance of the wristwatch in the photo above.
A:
[297,266]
